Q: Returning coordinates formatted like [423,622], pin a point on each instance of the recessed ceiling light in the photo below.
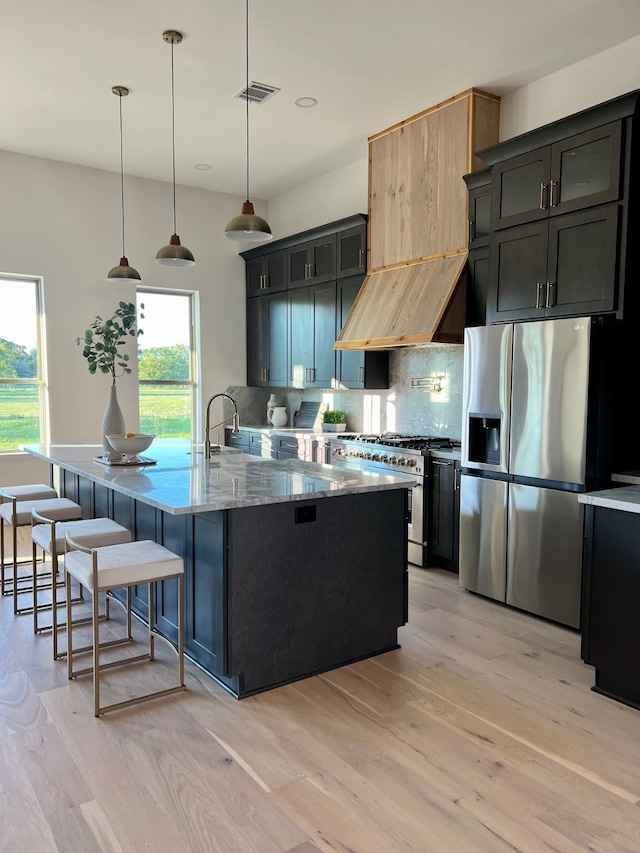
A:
[306,102]
[202,166]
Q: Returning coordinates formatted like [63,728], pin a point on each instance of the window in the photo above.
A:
[22,418]
[166,363]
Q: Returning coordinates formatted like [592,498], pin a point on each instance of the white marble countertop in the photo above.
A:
[625,498]
[183,481]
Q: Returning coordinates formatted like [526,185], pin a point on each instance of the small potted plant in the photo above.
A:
[334,421]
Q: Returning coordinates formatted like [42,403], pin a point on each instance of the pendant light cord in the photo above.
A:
[246,94]
[121,174]
[173,142]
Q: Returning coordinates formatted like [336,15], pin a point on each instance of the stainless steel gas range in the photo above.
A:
[397,454]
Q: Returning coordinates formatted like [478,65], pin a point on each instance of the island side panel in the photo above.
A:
[314,585]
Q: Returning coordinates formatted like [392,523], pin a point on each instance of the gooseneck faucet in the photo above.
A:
[208,427]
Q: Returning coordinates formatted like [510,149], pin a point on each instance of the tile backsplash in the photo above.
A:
[400,408]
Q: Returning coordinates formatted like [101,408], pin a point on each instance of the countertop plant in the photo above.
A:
[104,337]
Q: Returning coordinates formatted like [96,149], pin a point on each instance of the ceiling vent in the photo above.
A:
[257,93]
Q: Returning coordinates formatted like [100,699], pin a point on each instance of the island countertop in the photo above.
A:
[183,481]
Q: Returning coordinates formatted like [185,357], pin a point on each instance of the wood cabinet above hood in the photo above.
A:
[414,292]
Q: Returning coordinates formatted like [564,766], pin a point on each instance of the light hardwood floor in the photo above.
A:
[480,734]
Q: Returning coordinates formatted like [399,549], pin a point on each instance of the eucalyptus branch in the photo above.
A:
[104,338]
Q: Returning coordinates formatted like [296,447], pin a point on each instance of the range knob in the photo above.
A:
[393,460]
[384,458]
[402,461]
[367,456]
[411,463]
[376,457]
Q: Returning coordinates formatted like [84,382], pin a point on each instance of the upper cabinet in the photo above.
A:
[267,273]
[351,251]
[300,290]
[313,261]
[564,202]
[578,172]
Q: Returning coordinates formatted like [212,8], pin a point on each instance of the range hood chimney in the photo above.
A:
[415,290]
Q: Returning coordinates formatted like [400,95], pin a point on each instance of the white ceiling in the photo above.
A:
[369,63]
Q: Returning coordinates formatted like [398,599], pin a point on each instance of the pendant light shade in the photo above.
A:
[123,273]
[174,254]
[247,227]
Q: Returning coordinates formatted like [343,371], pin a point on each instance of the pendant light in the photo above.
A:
[247,227]
[174,255]
[123,273]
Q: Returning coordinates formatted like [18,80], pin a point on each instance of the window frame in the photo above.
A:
[41,379]
[194,350]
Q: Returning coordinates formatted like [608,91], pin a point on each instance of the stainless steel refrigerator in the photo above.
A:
[532,437]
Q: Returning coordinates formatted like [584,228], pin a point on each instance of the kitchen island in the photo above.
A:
[291,568]
[611,588]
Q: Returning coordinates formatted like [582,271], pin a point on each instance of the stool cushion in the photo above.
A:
[34,492]
[58,509]
[90,532]
[123,565]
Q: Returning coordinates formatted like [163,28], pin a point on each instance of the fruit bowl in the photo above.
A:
[130,444]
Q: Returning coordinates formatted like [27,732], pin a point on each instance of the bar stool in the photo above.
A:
[110,567]
[50,535]
[17,513]
[34,491]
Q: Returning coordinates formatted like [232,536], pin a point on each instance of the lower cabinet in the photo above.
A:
[261,444]
[240,440]
[444,513]
[610,601]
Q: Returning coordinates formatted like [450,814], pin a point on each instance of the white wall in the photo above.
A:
[62,222]
[334,196]
[585,84]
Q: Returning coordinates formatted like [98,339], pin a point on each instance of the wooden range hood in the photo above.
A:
[415,289]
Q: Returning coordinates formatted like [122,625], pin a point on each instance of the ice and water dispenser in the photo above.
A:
[484,438]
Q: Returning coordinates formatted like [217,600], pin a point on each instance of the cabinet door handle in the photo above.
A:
[261,281]
[312,374]
[554,194]
[551,295]
[267,279]
[360,257]
[539,288]
[472,231]
[543,196]
[441,464]
[456,479]
[361,373]
[312,270]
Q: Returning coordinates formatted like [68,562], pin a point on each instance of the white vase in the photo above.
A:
[112,424]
